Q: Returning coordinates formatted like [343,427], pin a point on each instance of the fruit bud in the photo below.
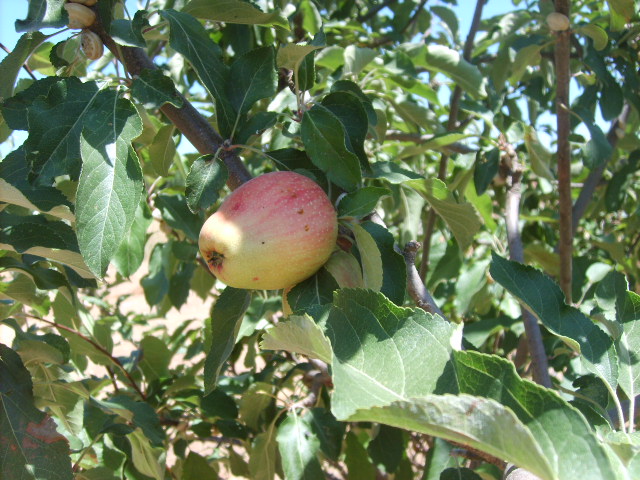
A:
[91,45]
[88,3]
[79,15]
[558,22]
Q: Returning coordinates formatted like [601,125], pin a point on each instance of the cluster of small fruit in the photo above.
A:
[82,17]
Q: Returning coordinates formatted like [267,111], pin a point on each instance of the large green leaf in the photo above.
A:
[544,298]
[379,351]
[234,11]
[324,138]
[189,38]
[30,446]
[152,88]
[110,186]
[222,329]
[628,344]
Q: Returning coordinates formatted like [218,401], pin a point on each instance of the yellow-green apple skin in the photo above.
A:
[271,232]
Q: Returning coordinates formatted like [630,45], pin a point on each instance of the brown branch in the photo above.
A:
[416,287]
[455,147]
[539,362]
[98,347]
[595,176]
[451,125]
[187,119]
[563,77]
[24,65]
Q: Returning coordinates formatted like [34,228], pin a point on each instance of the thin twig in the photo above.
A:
[539,362]
[451,125]
[563,78]
[24,65]
[416,287]
[595,176]
[98,347]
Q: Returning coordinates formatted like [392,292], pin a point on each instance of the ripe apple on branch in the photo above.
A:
[270,233]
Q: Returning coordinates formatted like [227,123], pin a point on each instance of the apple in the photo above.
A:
[270,233]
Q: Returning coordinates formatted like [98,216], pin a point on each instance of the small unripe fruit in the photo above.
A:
[270,233]
[91,45]
[558,22]
[79,15]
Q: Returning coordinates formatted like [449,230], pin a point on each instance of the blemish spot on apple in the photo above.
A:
[301,211]
[255,279]
[306,228]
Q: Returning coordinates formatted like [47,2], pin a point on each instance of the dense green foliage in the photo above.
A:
[418,131]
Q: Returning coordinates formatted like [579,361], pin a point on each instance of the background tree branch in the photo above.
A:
[563,77]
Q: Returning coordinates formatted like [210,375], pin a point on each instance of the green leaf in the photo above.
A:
[329,431]
[130,253]
[196,467]
[357,459]
[12,63]
[254,402]
[299,447]
[595,33]
[351,112]
[156,283]
[69,105]
[394,269]
[357,58]
[361,202]
[461,218]
[234,11]
[393,173]
[539,156]
[528,56]
[110,186]
[43,14]
[598,149]
[298,334]
[177,215]
[146,459]
[189,38]
[262,461]
[443,140]
[206,178]
[379,348]
[345,269]
[315,290]
[291,55]
[163,150]
[387,448]
[625,8]
[129,32]
[14,109]
[219,404]
[485,169]
[254,77]
[628,344]
[30,446]
[226,317]
[153,89]
[372,271]
[543,297]
[16,189]
[324,138]
[35,235]
[155,358]
[449,62]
